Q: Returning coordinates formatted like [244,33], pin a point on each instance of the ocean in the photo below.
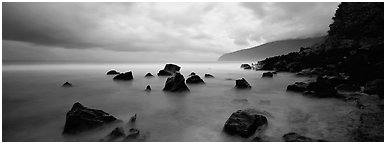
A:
[35,105]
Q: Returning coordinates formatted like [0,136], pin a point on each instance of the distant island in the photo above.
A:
[270,49]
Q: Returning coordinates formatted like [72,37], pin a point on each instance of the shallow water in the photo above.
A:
[35,104]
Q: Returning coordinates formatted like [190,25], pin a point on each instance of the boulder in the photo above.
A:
[195,79]
[112,72]
[176,83]
[148,88]
[242,84]
[246,66]
[208,76]
[164,73]
[294,137]
[297,87]
[244,122]
[133,133]
[192,74]
[374,87]
[348,87]
[149,75]
[268,74]
[81,118]
[124,76]
[67,84]
[172,68]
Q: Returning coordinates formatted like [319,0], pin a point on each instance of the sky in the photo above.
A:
[124,32]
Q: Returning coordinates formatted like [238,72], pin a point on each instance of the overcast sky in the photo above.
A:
[153,31]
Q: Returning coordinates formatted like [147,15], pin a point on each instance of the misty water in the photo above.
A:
[35,104]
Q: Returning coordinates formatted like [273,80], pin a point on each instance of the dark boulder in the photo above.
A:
[246,66]
[81,118]
[244,122]
[294,137]
[242,84]
[297,87]
[374,87]
[148,88]
[268,74]
[169,70]
[164,73]
[124,76]
[195,79]
[133,133]
[112,72]
[176,84]
[149,75]
[208,76]
[192,74]
[67,84]
[348,87]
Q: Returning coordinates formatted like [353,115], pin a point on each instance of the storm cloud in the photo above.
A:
[190,30]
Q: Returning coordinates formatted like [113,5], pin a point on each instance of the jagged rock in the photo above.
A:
[81,118]
[169,70]
[148,88]
[246,66]
[112,72]
[268,74]
[195,79]
[208,76]
[244,122]
[192,74]
[67,84]
[294,137]
[176,84]
[124,76]
[242,84]
[149,75]
[298,87]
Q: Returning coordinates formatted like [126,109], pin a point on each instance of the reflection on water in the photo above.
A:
[34,104]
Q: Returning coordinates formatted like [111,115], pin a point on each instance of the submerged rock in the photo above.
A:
[298,87]
[194,79]
[124,76]
[294,137]
[169,70]
[374,87]
[242,84]
[133,118]
[244,122]
[149,75]
[268,74]
[112,72]
[148,88]
[208,76]
[67,84]
[176,84]
[81,118]
[118,132]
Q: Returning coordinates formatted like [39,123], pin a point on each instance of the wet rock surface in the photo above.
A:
[244,122]
[81,118]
